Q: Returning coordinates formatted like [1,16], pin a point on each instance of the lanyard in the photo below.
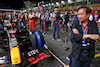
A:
[85,29]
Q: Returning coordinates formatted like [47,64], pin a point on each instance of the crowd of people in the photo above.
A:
[84,32]
[14,18]
[83,24]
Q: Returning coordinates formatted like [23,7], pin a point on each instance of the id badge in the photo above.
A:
[15,20]
[83,43]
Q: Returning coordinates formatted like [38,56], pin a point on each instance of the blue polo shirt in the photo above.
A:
[47,16]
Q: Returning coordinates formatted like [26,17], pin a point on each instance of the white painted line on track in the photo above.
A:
[57,58]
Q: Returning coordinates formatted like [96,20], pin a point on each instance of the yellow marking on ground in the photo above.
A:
[66,66]
[97,55]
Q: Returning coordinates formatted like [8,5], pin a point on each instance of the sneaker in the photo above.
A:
[53,39]
[67,58]
[44,32]
[58,39]
[69,33]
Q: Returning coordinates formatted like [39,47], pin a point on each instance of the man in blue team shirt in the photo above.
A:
[56,27]
[47,15]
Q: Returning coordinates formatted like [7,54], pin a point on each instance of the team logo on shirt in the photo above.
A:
[21,16]
[54,17]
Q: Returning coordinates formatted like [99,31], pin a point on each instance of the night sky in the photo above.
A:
[15,4]
[11,4]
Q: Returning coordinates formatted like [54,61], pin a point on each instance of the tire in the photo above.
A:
[34,41]
[42,39]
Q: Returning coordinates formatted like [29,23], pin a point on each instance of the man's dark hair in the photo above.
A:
[66,12]
[30,10]
[47,9]
[88,10]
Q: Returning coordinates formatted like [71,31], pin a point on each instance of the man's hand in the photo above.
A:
[68,25]
[91,36]
[62,22]
[94,37]
[75,31]
[97,22]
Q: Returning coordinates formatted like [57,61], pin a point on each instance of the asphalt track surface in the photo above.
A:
[59,50]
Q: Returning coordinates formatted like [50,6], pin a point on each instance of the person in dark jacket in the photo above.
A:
[84,34]
[96,16]
[65,21]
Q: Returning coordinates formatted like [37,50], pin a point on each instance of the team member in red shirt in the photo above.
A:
[31,18]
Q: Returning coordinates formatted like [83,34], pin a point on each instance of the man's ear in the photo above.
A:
[89,14]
